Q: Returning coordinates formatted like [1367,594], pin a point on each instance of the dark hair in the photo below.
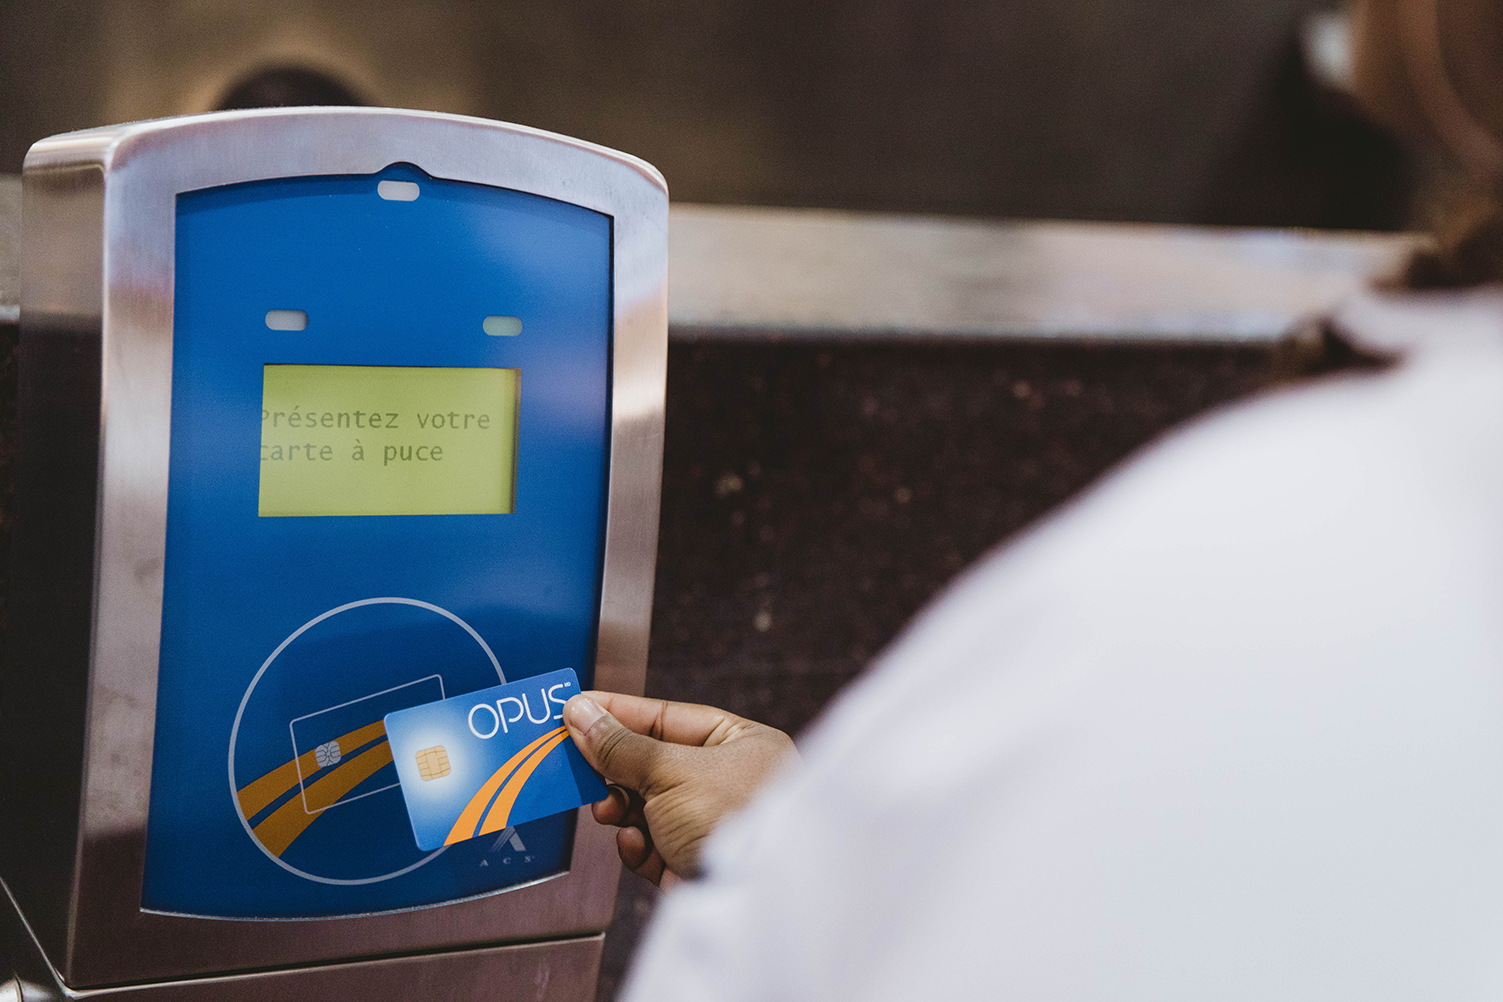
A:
[287,86]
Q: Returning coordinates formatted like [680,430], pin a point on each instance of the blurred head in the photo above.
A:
[1434,69]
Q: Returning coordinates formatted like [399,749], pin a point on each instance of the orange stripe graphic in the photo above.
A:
[469,818]
[501,810]
[256,795]
[290,820]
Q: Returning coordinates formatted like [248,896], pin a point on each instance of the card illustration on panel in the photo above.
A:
[332,757]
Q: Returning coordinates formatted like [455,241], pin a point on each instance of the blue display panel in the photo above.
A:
[285,640]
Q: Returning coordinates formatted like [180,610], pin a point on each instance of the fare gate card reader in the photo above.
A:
[325,414]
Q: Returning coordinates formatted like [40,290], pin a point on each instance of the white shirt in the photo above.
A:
[1228,727]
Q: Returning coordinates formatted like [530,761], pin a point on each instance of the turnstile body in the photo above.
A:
[324,413]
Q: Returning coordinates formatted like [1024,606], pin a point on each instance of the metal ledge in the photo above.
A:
[742,272]
[739,273]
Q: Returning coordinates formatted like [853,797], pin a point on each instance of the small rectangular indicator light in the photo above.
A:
[502,326]
[398,191]
[388,440]
[286,320]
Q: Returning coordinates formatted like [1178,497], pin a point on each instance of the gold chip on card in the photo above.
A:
[433,763]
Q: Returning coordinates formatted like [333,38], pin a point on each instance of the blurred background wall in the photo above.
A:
[1196,111]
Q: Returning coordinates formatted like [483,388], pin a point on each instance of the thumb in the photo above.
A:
[618,753]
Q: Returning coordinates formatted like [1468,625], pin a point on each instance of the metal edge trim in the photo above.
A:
[118,936]
[104,144]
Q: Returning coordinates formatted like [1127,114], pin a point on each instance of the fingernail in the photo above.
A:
[581,712]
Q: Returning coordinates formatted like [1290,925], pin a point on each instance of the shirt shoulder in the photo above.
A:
[1163,733]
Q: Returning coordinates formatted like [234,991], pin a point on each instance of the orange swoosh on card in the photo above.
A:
[501,810]
[469,818]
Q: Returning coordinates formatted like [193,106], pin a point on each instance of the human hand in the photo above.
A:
[674,769]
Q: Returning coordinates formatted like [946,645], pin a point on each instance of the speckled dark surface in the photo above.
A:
[816,496]
[8,339]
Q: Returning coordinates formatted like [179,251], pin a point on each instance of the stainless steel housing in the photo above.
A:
[80,685]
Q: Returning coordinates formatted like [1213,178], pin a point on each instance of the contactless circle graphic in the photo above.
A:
[310,769]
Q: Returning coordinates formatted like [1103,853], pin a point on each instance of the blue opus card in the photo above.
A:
[478,763]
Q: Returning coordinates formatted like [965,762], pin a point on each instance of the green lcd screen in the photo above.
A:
[388,440]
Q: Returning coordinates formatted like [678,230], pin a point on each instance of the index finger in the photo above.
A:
[665,720]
